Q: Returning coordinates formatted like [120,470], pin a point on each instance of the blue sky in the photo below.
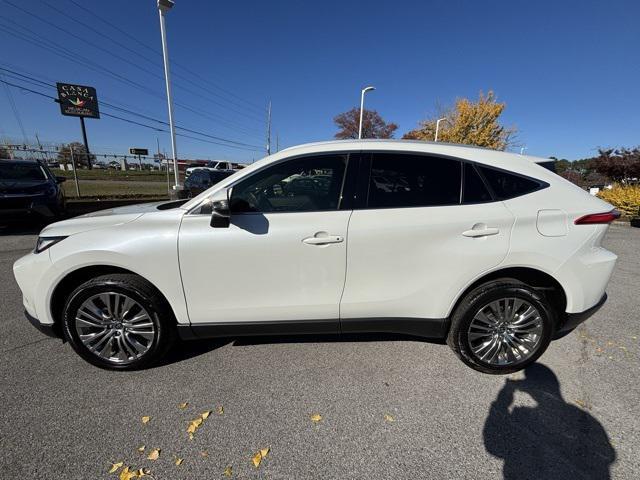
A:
[569,71]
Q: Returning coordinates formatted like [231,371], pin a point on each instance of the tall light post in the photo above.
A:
[163,7]
[435,138]
[364,90]
[522,150]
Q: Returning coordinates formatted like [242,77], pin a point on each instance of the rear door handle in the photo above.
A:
[323,240]
[481,232]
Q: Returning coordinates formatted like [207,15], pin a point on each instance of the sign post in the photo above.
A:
[139,152]
[79,101]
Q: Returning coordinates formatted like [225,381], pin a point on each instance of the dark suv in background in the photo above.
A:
[202,179]
[28,188]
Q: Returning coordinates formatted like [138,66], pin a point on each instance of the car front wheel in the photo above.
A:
[501,327]
[118,322]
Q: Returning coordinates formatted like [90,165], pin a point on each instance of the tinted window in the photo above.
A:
[21,171]
[508,185]
[474,190]
[300,185]
[399,180]
[216,177]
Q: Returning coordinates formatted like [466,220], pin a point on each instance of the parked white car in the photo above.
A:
[485,249]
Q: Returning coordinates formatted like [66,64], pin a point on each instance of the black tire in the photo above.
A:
[142,292]
[484,294]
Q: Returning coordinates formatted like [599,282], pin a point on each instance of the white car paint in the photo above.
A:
[410,262]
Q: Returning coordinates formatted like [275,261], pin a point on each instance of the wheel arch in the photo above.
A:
[77,277]
[538,279]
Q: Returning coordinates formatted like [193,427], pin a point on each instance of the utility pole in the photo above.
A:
[269,129]
[277,142]
[75,171]
[163,7]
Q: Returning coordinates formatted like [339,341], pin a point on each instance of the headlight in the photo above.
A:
[46,242]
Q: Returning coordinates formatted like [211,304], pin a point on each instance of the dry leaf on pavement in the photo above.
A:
[179,461]
[389,418]
[115,466]
[316,417]
[204,453]
[146,419]
[228,471]
[220,409]
[141,448]
[206,414]
[182,406]
[155,453]
[258,457]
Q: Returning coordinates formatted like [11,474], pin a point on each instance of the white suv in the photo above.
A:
[485,249]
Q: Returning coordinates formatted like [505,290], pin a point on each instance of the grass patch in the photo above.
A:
[113,189]
[107,175]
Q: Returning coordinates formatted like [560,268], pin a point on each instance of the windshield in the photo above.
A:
[21,171]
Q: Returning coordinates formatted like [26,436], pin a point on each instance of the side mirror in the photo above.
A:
[220,211]
[61,179]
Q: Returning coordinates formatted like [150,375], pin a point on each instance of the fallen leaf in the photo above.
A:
[115,466]
[204,453]
[264,452]
[182,406]
[142,472]
[146,419]
[316,417]
[220,410]
[179,461]
[599,350]
[155,453]
[126,474]
[228,471]
[205,415]
[190,436]
[388,418]
[610,343]
[257,458]
[141,448]
[633,337]
[580,403]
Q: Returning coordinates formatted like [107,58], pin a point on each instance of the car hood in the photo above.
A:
[101,219]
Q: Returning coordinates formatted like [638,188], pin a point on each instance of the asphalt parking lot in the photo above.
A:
[389,408]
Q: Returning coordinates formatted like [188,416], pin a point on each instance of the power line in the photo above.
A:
[32,78]
[157,129]
[155,51]
[12,103]
[80,60]
[122,59]
[131,112]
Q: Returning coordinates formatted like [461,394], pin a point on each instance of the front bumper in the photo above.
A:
[49,329]
[572,320]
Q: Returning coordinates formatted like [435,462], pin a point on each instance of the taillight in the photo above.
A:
[595,218]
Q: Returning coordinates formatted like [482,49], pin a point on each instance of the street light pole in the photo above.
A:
[435,139]
[364,90]
[163,7]
[522,150]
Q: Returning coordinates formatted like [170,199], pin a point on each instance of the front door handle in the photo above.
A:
[481,232]
[323,240]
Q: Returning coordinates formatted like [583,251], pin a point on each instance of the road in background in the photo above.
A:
[390,408]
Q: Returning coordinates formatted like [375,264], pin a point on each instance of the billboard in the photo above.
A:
[78,100]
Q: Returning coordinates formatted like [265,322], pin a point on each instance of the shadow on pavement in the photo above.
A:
[552,440]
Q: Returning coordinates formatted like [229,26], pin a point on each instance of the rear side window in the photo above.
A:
[402,180]
[474,190]
[507,185]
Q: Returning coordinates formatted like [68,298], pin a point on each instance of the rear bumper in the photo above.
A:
[572,320]
[50,330]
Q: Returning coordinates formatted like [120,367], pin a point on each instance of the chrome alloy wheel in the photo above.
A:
[505,331]
[114,327]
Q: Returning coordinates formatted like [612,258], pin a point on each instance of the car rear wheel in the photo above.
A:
[501,327]
[118,322]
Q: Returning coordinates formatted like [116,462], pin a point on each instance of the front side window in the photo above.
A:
[405,180]
[304,184]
